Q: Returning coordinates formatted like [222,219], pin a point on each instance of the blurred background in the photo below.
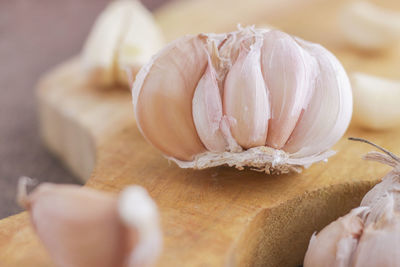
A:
[34,37]
[38,35]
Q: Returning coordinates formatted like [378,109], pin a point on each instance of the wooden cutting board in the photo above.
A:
[218,216]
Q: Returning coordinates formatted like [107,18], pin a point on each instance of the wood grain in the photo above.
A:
[218,216]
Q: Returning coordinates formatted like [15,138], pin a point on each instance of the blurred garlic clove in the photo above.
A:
[245,98]
[138,211]
[334,245]
[82,227]
[207,111]
[376,101]
[99,51]
[141,40]
[328,114]
[163,94]
[368,26]
[284,68]
[124,36]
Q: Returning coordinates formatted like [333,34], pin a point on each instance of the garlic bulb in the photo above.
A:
[82,227]
[368,26]
[124,36]
[370,234]
[376,101]
[254,97]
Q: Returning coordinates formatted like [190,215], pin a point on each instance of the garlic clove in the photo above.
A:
[328,114]
[376,101]
[334,245]
[141,40]
[368,26]
[82,227]
[245,98]
[124,36]
[162,96]
[284,68]
[207,111]
[78,226]
[138,211]
[99,51]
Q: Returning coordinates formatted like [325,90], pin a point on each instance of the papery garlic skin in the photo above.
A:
[124,37]
[376,101]
[82,227]
[236,70]
[368,26]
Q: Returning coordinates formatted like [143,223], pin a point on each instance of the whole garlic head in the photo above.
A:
[254,97]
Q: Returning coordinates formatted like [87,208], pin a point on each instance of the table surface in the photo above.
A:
[35,36]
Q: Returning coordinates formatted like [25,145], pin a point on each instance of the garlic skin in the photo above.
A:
[270,86]
[82,227]
[370,234]
[376,101]
[124,37]
[368,26]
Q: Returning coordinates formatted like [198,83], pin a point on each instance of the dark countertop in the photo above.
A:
[34,37]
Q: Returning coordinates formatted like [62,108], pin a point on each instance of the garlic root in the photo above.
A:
[82,227]
[370,234]
[254,97]
[123,37]
[368,26]
[376,101]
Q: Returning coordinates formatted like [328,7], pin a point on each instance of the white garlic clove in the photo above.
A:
[82,227]
[284,66]
[141,40]
[163,93]
[368,26]
[245,98]
[207,111]
[328,114]
[100,49]
[138,211]
[334,245]
[376,101]
[124,36]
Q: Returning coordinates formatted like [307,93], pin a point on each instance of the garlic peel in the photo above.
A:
[376,101]
[232,69]
[368,26]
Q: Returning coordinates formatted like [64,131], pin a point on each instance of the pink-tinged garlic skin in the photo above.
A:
[207,111]
[164,108]
[245,98]
[285,68]
[71,222]
[284,101]
[334,245]
[328,114]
